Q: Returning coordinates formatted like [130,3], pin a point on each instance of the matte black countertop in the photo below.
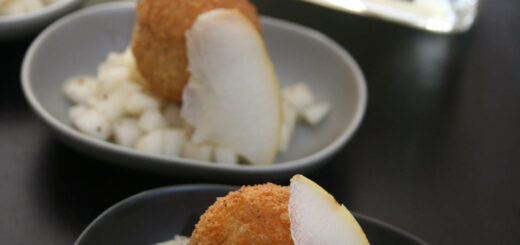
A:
[438,153]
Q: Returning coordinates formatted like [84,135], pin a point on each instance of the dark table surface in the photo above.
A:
[438,153]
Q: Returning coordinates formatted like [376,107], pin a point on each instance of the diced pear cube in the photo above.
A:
[286,137]
[289,113]
[122,59]
[290,117]
[178,240]
[128,57]
[173,141]
[151,142]
[225,155]
[315,113]
[200,152]
[151,119]
[127,88]
[112,76]
[93,123]
[126,131]
[92,101]
[298,95]
[112,105]
[139,102]
[77,110]
[79,89]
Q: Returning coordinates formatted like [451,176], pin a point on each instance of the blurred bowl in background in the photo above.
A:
[22,25]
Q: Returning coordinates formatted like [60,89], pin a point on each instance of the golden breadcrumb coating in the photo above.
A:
[252,215]
[159,44]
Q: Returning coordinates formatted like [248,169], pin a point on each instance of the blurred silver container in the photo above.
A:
[444,16]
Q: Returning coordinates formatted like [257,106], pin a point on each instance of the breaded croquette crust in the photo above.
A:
[252,215]
[159,44]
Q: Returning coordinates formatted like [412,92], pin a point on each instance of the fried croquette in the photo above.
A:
[159,44]
[252,215]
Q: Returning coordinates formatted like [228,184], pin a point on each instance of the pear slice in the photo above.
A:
[232,98]
[316,218]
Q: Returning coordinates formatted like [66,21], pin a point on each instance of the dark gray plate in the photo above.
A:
[157,215]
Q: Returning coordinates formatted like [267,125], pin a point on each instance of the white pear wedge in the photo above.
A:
[317,218]
[232,98]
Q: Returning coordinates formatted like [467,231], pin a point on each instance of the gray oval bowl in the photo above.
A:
[77,43]
[157,215]
[23,25]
